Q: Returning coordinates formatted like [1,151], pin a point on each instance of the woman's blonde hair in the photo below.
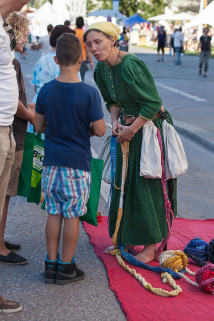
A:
[19,24]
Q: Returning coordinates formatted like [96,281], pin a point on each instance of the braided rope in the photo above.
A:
[125,152]
[177,261]
[158,291]
[167,204]
[166,276]
[199,251]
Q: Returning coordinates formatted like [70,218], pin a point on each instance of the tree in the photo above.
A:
[130,7]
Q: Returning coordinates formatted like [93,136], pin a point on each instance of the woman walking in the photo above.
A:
[132,99]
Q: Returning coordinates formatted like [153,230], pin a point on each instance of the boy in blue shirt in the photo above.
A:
[69,112]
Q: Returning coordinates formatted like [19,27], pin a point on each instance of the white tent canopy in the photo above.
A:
[107,13]
[205,17]
[42,17]
[171,17]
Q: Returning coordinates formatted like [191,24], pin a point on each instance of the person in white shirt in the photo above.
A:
[178,45]
[44,42]
[8,107]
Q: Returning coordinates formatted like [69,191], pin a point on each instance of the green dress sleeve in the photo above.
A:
[141,87]
[99,72]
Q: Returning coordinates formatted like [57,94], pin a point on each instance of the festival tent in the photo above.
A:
[107,13]
[171,17]
[205,17]
[135,19]
[42,17]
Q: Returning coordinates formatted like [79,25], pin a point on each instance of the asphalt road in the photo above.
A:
[189,98]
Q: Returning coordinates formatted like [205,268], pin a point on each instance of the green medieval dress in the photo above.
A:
[130,86]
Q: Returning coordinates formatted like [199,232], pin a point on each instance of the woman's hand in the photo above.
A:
[125,134]
[115,127]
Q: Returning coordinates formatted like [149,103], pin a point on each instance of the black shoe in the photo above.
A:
[12,246]
[68,273]
[13,258]
[50,271]
[9,306]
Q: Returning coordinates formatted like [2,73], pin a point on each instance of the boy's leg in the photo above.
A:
[53,231]
[70,238]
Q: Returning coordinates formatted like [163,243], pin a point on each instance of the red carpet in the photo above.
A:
[138,303]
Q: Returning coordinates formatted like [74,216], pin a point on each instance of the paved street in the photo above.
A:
[189,98]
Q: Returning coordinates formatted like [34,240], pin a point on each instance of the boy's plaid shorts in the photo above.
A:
[66,190]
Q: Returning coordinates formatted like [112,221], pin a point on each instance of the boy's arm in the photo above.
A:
[40,123]
[98,128]
[25,113]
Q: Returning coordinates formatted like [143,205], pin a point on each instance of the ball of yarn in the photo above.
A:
[175,260]
[211,251]
[197,248]
[205,278]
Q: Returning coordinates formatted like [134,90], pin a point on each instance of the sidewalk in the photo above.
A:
[194,119]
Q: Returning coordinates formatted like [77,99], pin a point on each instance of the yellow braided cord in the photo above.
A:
[158,291]
[117,226]
[125,152]
[175,260]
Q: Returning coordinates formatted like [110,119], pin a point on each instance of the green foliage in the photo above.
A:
[130,7]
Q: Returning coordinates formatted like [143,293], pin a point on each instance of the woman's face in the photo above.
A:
[19,47]
[99,45]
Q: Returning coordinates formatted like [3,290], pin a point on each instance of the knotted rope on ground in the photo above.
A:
[199,251]
[205,278]
[177,261]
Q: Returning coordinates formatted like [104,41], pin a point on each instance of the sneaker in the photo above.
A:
[68,273]
[12,246]
[9,306]
[13,258]
[205,75]
[51,268]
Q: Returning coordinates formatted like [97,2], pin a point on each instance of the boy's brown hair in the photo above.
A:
[68,49]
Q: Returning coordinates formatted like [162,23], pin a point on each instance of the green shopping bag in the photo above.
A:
[92,205]
[32,165]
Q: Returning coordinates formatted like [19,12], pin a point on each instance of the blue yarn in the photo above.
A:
[132,260]
[198,248]
[113,151]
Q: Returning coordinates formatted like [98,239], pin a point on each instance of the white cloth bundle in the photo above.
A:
[150,160]
[175,157]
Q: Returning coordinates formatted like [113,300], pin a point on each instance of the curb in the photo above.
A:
[197,138]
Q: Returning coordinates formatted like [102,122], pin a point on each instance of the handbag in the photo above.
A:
[150,160]
[105,154]
[175,158]
[92,205]
[31,170]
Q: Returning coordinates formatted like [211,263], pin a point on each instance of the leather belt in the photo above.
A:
[129,119]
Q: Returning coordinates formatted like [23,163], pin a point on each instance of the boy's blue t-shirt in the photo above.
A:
[69,108]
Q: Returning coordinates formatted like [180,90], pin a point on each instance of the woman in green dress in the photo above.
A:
[132,99]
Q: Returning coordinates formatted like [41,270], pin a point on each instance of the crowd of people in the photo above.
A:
[67,111]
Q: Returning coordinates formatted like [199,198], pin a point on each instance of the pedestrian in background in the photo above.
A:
[8,107]
[204,50]
[67,23]
[87,56]
[68,111]
[161,37]
[44,42]
[178,45]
